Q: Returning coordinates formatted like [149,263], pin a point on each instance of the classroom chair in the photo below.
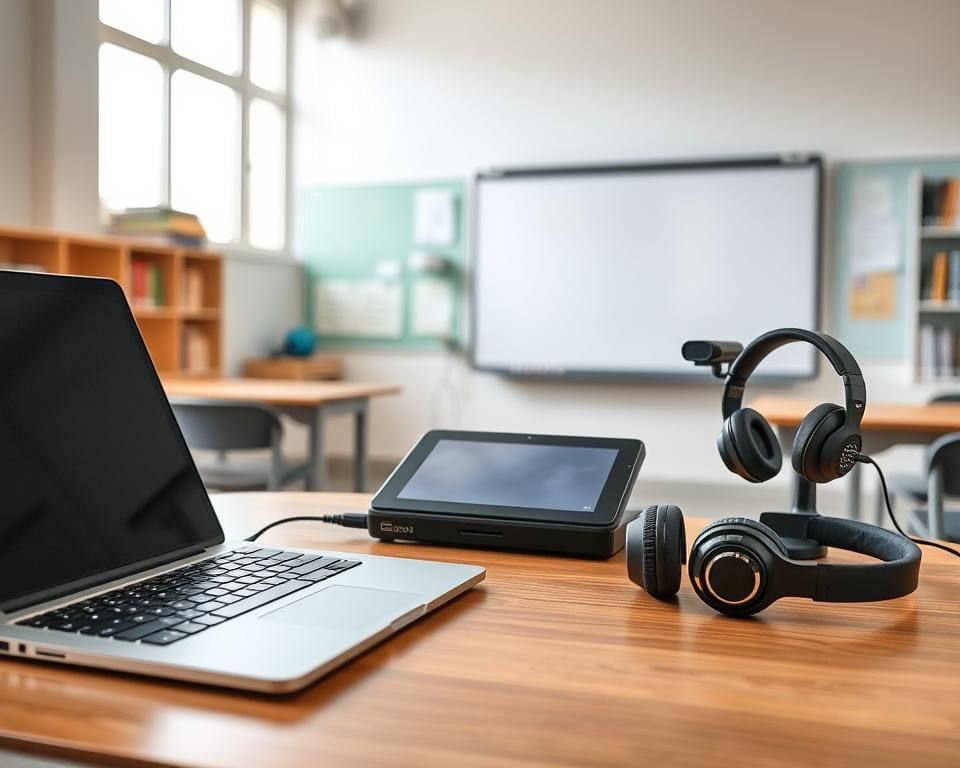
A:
[227,428]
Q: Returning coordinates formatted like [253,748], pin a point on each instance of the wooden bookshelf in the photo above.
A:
[172,319]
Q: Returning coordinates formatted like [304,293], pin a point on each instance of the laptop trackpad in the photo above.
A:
[347,608]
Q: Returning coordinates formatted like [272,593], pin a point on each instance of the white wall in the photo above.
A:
[440,89]
[15,83]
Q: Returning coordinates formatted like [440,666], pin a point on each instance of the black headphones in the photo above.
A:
[740,566]
[828,439]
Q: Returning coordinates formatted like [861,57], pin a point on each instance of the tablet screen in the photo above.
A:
[561,477]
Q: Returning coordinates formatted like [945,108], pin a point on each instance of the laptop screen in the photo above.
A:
[94,473]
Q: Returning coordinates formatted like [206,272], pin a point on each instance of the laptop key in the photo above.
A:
[283,556]
[142,630]
[115,629]
[209,621]
[165,638]
[191,628]
[322,562]
[343,565]
[210,607]
[323,573]
[189,614]
[250,603]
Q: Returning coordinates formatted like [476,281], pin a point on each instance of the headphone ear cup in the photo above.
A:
[813,432]
[657,550]
[747,522]
[749,447]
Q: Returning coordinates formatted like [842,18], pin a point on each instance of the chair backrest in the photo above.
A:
[944,454]
[947,397]
[219,426]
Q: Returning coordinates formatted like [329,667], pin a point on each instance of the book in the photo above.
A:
[953,287]
[148,285]
[195,350]
[939,276]
[945,362]
[927,347]
[193,285]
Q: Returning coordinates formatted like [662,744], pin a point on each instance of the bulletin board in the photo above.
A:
[875,245]
[364,254]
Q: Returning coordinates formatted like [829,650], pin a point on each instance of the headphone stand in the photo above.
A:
[786,523]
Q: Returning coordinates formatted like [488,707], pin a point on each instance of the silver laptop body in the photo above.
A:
[280,647]
[111,555]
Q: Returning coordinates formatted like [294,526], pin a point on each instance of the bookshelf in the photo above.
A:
[176,294]
[936,280]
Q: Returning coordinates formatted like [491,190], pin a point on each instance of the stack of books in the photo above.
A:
[147,289]
[193,288]
[940,279]
[938,351]
[159,224]
[195,350]
[941,202]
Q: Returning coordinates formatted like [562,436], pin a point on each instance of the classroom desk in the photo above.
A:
[309,402]
[549,662]
[884,425]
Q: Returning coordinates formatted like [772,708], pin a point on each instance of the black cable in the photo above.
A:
[347,520]
[862,458]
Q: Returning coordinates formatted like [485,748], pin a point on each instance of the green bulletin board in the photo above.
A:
[363,237]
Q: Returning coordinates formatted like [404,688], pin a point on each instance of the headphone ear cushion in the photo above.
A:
[657,549]
[810,439]
[754,444]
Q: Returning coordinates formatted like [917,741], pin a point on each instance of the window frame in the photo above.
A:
[170,62]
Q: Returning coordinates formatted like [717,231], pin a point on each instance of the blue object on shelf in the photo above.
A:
[300,342]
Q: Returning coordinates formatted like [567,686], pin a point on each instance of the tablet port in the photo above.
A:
[481,534]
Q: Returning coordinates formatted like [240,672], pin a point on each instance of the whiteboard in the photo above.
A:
[606,272]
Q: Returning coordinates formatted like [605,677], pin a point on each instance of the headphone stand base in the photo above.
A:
[804,504]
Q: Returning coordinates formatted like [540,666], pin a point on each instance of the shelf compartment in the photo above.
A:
[96,259]
[162,337]
[43,253]
[165,262]
[200,348]
[202,283]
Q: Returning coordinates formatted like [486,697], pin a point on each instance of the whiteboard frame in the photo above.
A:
[798,160]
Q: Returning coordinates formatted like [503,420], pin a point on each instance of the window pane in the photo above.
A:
[207,31]
[268,45]
[131,129]
[141,18]
[204,154]
[267,173]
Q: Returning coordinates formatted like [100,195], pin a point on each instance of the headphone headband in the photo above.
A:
[896,576]
[855,392]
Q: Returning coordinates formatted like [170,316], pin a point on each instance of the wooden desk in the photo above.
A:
[549,662]
[884,425]
[309,402]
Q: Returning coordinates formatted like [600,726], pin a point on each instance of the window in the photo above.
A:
[194,111]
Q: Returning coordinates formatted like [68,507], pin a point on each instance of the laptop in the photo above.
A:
[111,555]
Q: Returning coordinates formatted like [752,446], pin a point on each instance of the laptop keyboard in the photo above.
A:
[180,603]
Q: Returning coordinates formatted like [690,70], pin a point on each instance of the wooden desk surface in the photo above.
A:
[549,662]
[276,391]
[938,418]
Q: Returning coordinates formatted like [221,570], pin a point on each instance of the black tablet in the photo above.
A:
[537,481]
